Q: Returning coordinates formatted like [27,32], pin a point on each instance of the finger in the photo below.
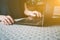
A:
[38,14]
[32,15]
[10,18]
[29,13]
[5,22]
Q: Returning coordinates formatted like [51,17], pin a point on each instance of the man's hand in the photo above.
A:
[32,13]
[6,19]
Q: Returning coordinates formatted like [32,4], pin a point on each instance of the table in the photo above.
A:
[24,32]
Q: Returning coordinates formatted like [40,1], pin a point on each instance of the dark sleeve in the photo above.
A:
[3,7]
[16,8]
